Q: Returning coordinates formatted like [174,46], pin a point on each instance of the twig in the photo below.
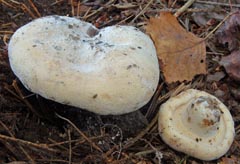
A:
[93,13]
[24,7]
[28,143]
[63,147]
[72,7]
[15,2]
[14,84]
[7,24]
[174,92]
[216,28]
[126,6]
[34,8]
[78,9]
[236,119]
[141,134]
[7,4]
[124,20]
[7,32]
[218,3]
[70,147]
[190,10]
[180,88]
[238,145]
[59,145]
[23,150]
[5,38]
[58,1]
[63,142]
[11,149]
[153,104]
[85,16]
[173,3]
[145,152]
[159,155]
[54,161]
[6,87]
[184,8]
[76,141]
[143,11]
[98,10]
[154,128]
[121,138]
[80,132]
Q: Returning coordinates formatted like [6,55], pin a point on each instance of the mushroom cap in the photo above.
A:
[109,71]
[196,123]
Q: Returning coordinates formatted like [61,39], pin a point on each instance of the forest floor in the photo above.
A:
[30,131]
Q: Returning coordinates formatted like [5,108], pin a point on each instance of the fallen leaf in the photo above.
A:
[214,12]
[17,162]
[231,64]
[235,92]
[182,55]
[219,93]
[229,33]
[217,76]
[230,160]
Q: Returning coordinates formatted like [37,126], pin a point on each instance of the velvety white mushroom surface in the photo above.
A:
[109,71]
[198,124]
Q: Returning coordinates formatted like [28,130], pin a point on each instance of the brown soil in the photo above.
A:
[30,130]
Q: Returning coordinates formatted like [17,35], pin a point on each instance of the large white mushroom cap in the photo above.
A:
[109,71]
[196,123]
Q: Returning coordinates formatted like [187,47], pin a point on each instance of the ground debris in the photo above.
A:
[228,34]
[232,65]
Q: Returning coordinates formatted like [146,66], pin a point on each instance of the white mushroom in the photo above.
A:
[196,123]
[109,71]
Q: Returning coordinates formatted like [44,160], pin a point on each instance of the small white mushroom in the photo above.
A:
[196,123]
[109,71]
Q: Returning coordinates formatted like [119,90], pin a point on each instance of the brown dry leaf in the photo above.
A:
[236,93]
[182,55]
[230,160]
[217,76]
[231,64]
[214,13]
[229,33]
